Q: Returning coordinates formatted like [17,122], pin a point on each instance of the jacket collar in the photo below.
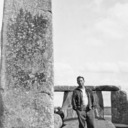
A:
[78,88]
[86,90]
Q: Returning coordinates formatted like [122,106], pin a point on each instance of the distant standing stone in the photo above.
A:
[119,103]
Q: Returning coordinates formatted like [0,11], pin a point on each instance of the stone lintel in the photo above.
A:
[63,88]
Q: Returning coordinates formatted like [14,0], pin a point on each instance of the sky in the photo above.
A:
[90,39]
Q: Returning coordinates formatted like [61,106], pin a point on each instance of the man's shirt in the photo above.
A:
[84,98]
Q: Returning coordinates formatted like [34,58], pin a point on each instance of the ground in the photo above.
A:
[99,124]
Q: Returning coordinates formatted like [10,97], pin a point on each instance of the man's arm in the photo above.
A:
[74,101]
[94,105]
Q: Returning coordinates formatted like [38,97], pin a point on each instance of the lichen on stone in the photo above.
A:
[25,49]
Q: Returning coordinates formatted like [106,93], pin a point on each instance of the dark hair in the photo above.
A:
[80,77]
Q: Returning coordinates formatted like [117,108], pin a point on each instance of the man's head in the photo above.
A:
[80,81]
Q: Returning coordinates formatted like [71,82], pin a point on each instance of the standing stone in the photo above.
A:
[57,121]
[67,106]
[99,104]
[67,100]
[119,103]
[27,71]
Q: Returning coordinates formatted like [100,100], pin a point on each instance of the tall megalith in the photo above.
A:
[27,64]
[119,102]
[98,97]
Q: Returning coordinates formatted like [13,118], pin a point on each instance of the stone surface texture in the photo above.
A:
[67,106]
[67,100]
[99,113]
[27,64]
[119,103]
[57,121]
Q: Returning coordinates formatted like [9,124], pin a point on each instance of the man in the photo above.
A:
[83,104]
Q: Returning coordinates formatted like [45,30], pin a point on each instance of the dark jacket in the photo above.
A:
[77,99]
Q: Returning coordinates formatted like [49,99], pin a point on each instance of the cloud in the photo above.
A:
[89,41]
[116,22]
[93,40]
[123,66]
[119,13]
[64,73]
[109,29]
[105,67]
[101,67]
[62,66]
[111,3]
[109,24]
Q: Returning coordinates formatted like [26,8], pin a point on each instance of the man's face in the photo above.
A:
[80,82]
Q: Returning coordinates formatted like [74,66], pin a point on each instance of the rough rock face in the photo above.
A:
[99,104]
[57,121]
[27,71]
[67,106]
[119,103]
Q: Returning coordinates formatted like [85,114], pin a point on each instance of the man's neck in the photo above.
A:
[82,87]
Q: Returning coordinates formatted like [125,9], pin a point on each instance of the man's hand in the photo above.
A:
[79,108]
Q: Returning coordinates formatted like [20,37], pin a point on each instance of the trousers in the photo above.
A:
[86,118]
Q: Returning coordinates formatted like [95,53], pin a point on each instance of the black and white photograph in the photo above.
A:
[63,64]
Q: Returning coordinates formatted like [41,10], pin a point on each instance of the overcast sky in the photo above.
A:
[91,39]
